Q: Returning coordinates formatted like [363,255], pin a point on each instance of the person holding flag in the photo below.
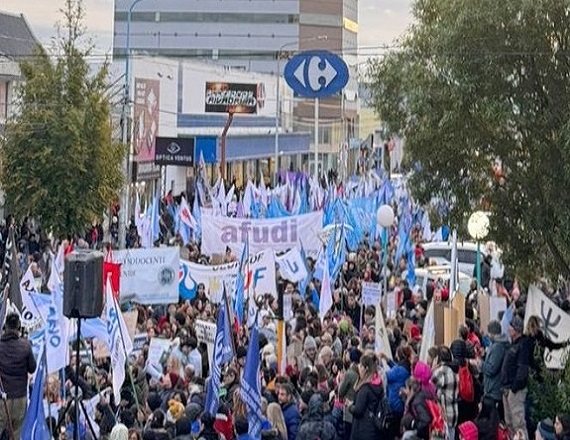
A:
[35,426]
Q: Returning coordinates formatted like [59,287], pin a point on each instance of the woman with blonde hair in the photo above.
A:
[238,407]
[278,430]
[369,392]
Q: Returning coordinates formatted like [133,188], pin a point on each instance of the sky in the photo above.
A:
[380,21]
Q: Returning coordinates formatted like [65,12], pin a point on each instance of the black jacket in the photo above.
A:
[516,364]
[364,409]
[417,408]
[314,426]
[16,362]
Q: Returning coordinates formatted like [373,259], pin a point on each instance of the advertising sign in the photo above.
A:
[146,118]
[174,151]
[223,97]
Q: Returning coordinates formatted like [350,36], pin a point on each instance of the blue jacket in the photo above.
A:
[292,418]
[396,378]
[492,367]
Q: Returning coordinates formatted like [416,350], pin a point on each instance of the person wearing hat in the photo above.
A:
[241,354]
[493,363]
[309,354]
[514,376]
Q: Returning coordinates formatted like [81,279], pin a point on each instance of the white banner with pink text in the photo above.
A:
[277,234]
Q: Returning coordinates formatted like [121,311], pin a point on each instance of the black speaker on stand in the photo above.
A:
[82,298]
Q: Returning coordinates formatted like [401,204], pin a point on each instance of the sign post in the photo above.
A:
[316,74]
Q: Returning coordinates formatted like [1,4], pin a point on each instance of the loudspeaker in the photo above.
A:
[83,284]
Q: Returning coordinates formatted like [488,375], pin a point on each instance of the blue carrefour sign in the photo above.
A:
[316,74]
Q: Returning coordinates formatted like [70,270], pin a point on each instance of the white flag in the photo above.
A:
[292,267]
[381,341]
[29,313]
[120,344]
[326,301]
[55,331]
[428,334]
[555,324]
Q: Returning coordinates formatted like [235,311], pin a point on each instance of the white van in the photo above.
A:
[435,274]
[466,254]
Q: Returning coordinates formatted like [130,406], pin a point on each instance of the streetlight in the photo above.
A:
[278,94]
[385,218]
[126,114]
[478,227]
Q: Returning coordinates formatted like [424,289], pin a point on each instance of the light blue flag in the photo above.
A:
[155,218]
[304,283]
[197,214]
[506,320]
[223,353]
[35,426]
[250,390]
[240,285]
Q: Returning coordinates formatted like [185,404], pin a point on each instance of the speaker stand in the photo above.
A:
[76,399]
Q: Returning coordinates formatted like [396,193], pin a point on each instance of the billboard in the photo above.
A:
[146,118]
[224,97]
[174,151]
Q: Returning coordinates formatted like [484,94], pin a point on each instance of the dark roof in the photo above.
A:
[16,38]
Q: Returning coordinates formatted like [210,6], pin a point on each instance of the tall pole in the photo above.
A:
[316,138]
[478,265]
[125,135]
[277,116]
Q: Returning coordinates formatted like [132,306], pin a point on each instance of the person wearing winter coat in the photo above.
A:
[290,409]
[493,363]
[314,426]
[346,389]
[417,417]
[396,376]
[369,392]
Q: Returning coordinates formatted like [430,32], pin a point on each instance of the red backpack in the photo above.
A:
[437,428]
[466,387]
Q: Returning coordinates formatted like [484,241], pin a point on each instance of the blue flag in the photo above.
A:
[223,353]
[35,426]
[250,390]
[240,284]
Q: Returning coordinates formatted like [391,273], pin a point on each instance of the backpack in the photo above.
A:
[437,426]
[466,386]
[383,416]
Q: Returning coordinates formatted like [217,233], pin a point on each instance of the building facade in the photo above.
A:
[255,36]
[172,98]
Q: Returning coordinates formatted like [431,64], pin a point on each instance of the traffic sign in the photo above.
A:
[316,74]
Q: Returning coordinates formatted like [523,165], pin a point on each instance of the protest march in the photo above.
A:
[298,312]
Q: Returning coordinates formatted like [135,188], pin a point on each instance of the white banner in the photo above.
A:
[30,314]
[277,234]
[555,325]
[291,266]
[259,279]
[149,276]
[371,293]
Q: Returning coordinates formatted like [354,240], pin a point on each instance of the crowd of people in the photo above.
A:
[335,385]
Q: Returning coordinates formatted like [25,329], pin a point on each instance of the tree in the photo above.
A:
[481,92]
[59,162]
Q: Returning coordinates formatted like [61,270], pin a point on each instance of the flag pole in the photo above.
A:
[126,356]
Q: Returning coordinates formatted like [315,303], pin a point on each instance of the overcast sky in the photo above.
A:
[380,20]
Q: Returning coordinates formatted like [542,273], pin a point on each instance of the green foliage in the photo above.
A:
[551,395]
[59,162]
[475,83]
